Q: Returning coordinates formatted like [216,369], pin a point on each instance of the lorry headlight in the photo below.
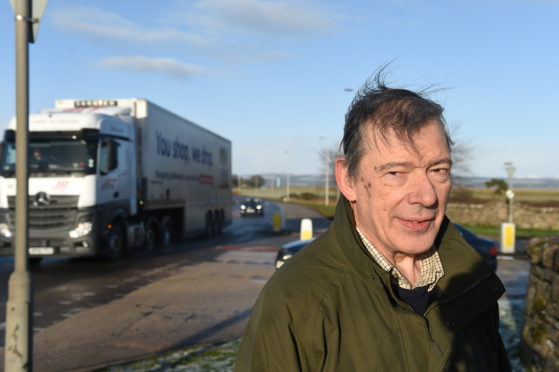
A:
[5,230]
[258,207]
[82,229]
[243,206]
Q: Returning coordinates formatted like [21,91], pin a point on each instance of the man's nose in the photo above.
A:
[422,191]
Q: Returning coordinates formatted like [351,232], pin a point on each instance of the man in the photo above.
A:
[391,286]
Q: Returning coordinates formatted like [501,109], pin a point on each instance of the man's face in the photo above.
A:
[400,192]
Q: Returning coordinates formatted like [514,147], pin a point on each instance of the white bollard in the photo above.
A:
[306,229]
[508,232]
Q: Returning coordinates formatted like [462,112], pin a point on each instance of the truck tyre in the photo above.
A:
[151,235]
[35,261]
[166,232]
[115,243]
[218,223]
[210,225]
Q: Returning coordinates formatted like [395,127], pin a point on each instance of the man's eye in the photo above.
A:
[440,171]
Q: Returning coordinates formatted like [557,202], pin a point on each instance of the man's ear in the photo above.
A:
[344,181]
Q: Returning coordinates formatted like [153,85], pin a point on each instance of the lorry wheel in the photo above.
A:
[166,232]
[115,243]
[35,261]
[218,225]
[151,235]
[210,230]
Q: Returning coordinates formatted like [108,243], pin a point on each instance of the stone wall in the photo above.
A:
[494,213]
[540,335]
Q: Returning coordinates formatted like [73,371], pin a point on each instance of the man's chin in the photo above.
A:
[416,246]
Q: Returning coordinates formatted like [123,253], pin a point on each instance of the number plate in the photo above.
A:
[41,250]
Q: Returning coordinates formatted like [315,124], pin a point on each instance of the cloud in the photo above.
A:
[231,31]
[101,25]
[98,23]
[294,18]
[141,64]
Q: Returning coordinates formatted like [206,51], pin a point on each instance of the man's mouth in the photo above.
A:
[417,224]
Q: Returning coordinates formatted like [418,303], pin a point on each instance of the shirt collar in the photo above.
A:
[431,267]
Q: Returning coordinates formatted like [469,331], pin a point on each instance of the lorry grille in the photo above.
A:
[60,211]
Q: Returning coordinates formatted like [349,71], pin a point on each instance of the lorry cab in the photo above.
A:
[81,172]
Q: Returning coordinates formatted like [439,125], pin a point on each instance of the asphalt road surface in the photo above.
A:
[89,313]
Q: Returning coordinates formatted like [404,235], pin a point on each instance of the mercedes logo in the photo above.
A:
[41,199]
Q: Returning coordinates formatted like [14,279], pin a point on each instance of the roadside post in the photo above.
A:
[306,229]
[278,221]
[508,232]
[18,355]
[508,229]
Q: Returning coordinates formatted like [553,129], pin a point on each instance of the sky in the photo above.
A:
[277,76]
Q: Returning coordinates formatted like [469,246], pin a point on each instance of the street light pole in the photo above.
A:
[326,153]
[327,181]
[509,167]
[18,355]
[508,229]
[287,180]
[239,180]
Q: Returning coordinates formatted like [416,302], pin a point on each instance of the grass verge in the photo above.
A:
[326,210]
[218,357]
[495,232]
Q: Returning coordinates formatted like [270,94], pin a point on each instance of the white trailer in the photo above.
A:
[110,175]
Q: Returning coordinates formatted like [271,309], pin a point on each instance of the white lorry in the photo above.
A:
[106,176]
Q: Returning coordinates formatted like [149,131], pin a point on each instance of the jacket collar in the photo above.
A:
[464,268]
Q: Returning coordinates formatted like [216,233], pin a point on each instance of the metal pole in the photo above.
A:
[509,167]
[510,210]
[287,180]
[287,187]
[327,180]
[510,199]
[18,349]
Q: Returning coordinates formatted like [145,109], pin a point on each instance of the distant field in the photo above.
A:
[530,196]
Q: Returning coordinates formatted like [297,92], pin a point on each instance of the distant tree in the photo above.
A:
[499,185]
[256,181]
[462,153]
[308,196]
[327,157]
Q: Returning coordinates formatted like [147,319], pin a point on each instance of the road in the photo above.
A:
[89,313]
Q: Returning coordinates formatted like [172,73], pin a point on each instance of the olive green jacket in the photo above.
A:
[332,308]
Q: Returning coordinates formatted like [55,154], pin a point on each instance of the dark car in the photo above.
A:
[252,206]
[289,249]
[485,247]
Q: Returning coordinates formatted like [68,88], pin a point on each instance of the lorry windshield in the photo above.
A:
[53,157]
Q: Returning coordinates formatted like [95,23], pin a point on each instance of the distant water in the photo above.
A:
[279,180]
